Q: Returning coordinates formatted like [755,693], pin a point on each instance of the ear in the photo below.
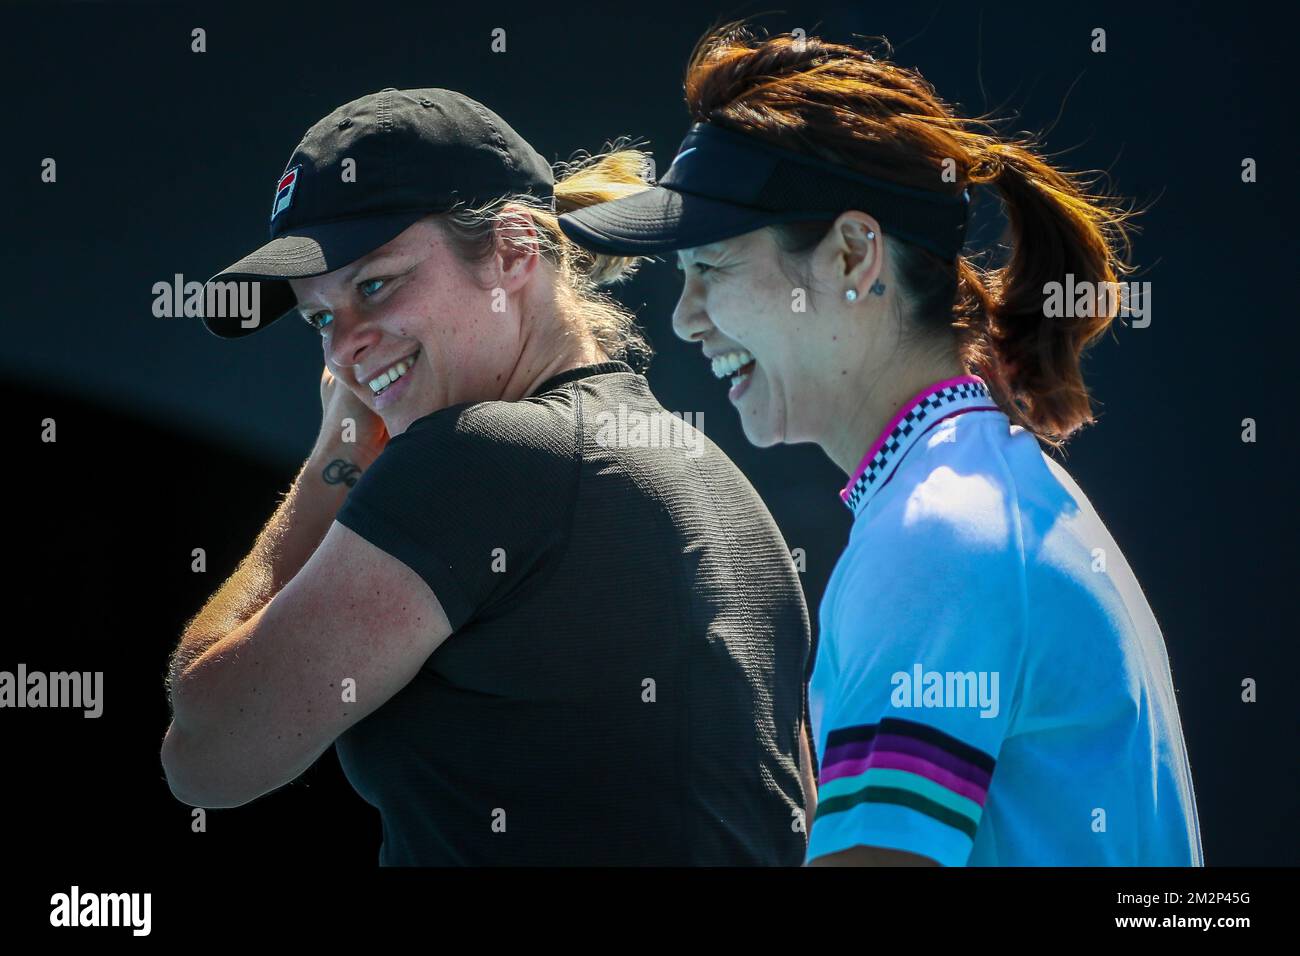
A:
[516,249]
[845,258]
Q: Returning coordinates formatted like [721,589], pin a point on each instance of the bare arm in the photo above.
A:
[262,703]
[315,630]
[809,782]
[346,626]
[292,535]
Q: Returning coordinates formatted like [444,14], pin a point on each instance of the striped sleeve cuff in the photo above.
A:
[902,785]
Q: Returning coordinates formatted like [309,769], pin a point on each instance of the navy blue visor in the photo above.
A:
[723,184]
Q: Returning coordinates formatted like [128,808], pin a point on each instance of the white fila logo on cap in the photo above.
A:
[284,191]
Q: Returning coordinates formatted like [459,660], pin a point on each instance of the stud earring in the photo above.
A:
[852,294]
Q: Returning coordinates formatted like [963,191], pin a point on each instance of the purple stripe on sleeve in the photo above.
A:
[898,743]
[922,768]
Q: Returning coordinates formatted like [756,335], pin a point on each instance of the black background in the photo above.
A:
[170,439]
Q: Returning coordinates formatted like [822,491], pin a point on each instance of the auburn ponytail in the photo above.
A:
[1056,230]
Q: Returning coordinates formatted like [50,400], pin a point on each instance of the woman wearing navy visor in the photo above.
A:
[990,687]
[543,620]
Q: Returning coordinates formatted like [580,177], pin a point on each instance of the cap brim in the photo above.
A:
[304,252]
[661,220]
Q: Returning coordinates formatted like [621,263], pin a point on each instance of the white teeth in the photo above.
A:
[730,362]
[384,379]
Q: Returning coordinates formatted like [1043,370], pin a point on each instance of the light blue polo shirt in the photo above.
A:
[991,687]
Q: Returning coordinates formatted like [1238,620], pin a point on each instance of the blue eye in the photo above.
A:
[311,320]
[368,288]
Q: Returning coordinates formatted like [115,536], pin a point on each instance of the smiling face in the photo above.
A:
[798,359]
[410,328]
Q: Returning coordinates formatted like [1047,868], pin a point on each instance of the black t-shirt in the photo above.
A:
[624,679]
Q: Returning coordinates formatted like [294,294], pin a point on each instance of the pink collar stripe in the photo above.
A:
[948,388]
[903,409]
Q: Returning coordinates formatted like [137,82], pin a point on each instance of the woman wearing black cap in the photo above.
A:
[991,687]
[543,620]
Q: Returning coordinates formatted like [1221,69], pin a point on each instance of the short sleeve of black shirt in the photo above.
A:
[472,498]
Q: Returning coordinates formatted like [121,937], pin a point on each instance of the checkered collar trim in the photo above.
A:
[942,400]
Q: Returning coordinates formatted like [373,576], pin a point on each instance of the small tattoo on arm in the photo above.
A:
[341,470]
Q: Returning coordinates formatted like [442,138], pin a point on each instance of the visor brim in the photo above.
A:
[664,220]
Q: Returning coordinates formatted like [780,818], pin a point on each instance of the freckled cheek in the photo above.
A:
[467,348]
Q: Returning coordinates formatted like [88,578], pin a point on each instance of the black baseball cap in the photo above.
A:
[725,183]
[413,152]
